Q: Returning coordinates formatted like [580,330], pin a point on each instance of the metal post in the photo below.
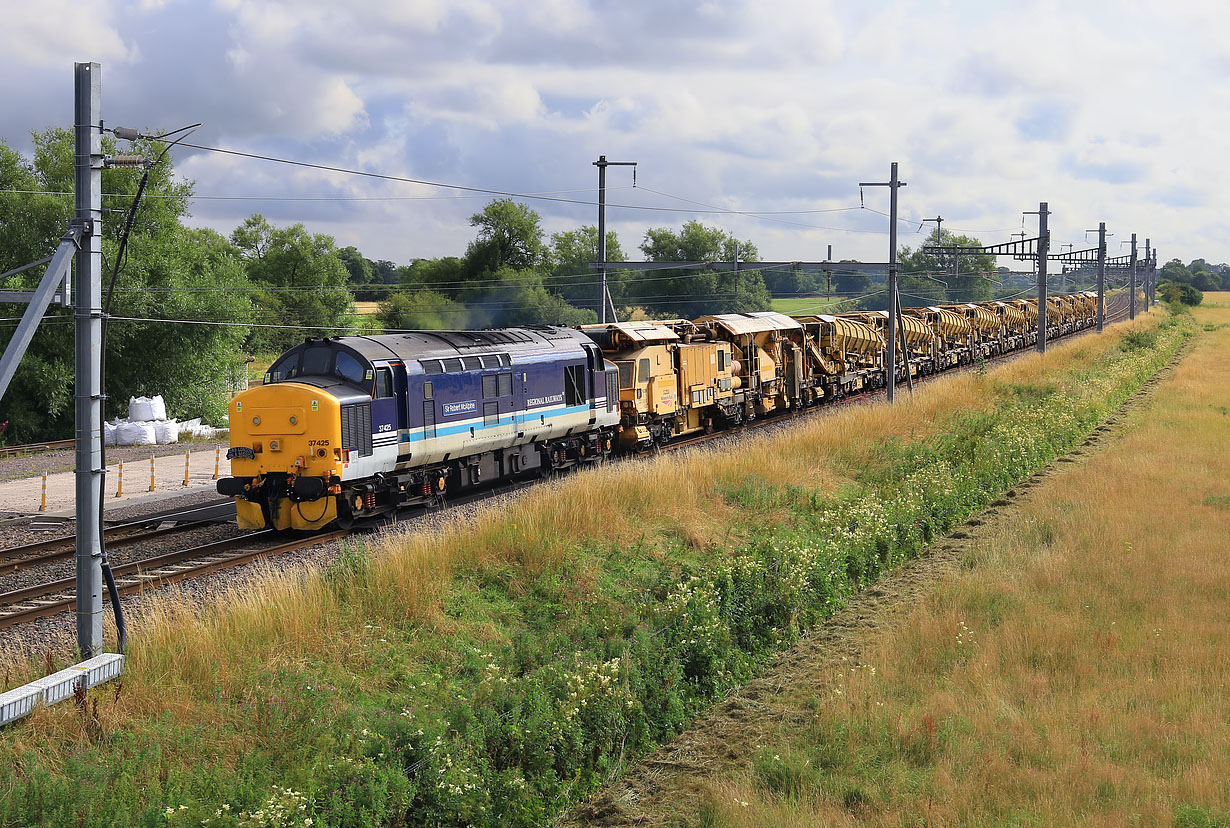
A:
[891,362]
[828,274]
[1132,288]
[890,356]
[1148,245]
[1153,277]
[1101,275]
[602,164]
[1043,249]
[88,322]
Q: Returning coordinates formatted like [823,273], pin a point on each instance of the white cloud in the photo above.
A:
[1110,111]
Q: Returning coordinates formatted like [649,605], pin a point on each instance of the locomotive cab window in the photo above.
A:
[625,374]
[721,356]
[384,383]
[285,368]
[642,371]
[316,361]
[349,368]
[574,385]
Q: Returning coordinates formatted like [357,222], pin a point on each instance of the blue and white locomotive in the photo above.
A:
[356,425]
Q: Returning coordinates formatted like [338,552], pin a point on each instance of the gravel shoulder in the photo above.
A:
[64,460]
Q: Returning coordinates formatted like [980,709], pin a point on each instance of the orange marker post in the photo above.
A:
[217,461]
[43,506]
[119,488]
[151,474]
[186,459]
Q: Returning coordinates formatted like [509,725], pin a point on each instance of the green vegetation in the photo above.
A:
[497,673]
[1178,283]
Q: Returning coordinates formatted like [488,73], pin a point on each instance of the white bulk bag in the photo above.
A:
[140,409]
[135,434]
[159,408]
[109,433]
[166,431]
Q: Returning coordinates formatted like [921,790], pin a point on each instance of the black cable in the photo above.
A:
[121,627]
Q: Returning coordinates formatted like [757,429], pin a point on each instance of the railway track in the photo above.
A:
[35,448]
[53,550]
[38,601]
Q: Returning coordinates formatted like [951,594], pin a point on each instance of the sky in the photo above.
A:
[1108,111]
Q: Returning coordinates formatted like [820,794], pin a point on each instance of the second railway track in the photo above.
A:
[50,598]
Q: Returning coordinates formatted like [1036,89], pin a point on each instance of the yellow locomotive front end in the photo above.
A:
[286,457]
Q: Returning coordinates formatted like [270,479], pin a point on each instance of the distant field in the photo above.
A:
[804,304]
[367,307]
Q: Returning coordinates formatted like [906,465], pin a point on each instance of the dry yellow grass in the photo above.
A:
[1074,674]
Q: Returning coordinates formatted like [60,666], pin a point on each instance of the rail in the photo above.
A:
[40,600]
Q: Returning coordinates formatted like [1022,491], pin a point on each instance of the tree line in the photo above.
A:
[1186,284]
[265,287]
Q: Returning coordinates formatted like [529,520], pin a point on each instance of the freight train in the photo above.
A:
[355,426]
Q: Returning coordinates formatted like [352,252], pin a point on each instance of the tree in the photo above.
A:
[169,272]
[301,281]
[520,297]
[694,293]
[1206,280]
[1180,292]
[422,310]
[509,235]
[851,284]
[445,276]
[968,276]
[1175,271]
[572,252]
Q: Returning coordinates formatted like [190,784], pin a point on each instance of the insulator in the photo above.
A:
[125,161]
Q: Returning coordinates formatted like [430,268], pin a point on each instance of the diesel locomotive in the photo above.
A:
[355,425]
[352,426]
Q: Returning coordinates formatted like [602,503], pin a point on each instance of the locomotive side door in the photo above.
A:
[399,392]
[596,381]
[385,414]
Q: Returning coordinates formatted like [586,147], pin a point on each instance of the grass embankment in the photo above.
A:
[495,672]
[1074,672]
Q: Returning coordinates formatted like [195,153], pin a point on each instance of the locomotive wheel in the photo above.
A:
[345,518]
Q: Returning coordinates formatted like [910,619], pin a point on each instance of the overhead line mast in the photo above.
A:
[604,297]
[894,302]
